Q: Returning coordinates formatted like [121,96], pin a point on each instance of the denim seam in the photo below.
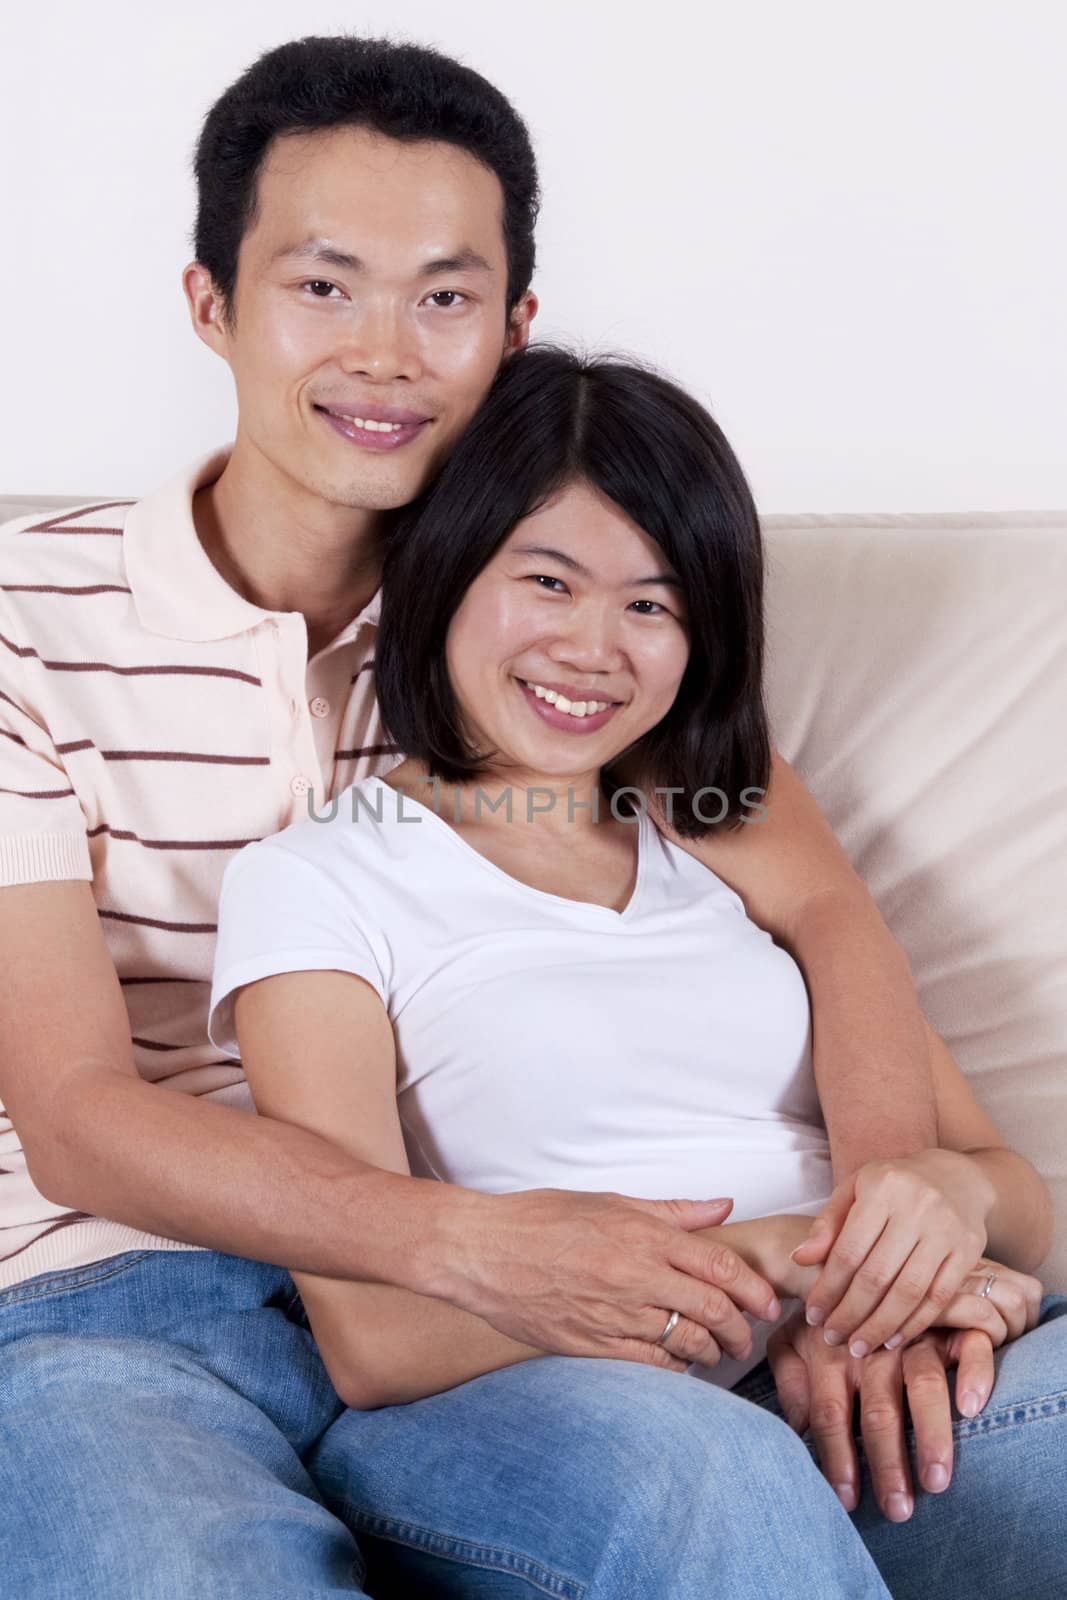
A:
[448,1548]
[1043,1409]
[47,1286]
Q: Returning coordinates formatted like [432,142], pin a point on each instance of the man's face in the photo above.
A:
[371,288]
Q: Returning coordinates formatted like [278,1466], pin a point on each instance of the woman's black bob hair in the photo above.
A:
[554,417]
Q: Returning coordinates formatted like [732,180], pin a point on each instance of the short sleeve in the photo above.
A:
[279,911]
[43,831]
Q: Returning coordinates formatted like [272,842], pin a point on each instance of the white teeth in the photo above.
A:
[370,424]
[573,708]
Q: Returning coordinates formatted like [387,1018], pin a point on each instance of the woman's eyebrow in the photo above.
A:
[576,566]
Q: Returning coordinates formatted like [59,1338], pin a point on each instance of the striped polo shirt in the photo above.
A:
[152,723]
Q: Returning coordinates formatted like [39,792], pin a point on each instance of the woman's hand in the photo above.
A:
[817,1385]
[898,1240]
[1011,1307]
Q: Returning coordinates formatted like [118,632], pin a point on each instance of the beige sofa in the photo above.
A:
[918,680]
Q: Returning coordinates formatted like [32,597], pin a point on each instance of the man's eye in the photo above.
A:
[320,288]
[445,299]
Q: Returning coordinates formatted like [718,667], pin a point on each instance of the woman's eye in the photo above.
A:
[655,606]
[320,288]
[545,580]
[445,299]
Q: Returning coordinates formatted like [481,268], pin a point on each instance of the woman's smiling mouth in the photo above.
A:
[569,716]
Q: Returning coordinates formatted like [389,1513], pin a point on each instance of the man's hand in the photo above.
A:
[898,1239]
[817,1385]
[600,1275]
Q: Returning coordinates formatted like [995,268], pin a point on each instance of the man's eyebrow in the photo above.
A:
[466,260]
[576,566]
[319,250]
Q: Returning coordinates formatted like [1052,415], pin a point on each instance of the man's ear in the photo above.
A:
[205,308]
[518,334]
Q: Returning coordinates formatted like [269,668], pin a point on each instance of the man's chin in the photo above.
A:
[370,491]
[375,497]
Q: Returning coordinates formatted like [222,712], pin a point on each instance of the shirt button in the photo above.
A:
[300,785]
[320,707]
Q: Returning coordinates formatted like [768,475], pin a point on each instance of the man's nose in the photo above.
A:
[381,345]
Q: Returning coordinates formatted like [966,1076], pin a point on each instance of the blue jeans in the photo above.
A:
[168,1431]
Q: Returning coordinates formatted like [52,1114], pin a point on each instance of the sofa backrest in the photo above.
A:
[917,679]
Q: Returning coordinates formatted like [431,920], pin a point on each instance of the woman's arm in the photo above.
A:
[871,1055]
[380,1345]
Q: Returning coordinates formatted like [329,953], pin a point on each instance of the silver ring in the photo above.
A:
[983,1294]
[672,1323]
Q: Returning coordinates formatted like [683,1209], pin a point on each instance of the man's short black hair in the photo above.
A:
[408,92]
[553,418]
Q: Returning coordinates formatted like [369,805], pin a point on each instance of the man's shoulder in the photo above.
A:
[63,546]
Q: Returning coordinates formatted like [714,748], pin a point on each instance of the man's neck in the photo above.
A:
[286,549]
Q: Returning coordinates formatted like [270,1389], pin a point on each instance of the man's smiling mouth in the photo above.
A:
[374,427]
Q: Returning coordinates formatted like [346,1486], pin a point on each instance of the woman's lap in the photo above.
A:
[590,1480]
[997,1530]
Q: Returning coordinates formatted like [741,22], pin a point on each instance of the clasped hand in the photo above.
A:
[901,1244]
[896,1241]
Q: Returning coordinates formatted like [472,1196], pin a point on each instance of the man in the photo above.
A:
[177,677]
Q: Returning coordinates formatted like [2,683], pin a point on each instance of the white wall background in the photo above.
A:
[842,224]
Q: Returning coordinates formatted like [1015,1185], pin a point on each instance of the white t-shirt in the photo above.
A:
[661,1051]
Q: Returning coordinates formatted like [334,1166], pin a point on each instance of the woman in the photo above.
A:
[495,966]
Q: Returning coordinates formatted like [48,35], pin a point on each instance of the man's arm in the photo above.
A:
[564,1272]
[871,1056]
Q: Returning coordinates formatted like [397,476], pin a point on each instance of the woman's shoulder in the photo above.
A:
[355,828]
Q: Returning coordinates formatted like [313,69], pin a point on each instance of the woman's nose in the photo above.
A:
[589,642]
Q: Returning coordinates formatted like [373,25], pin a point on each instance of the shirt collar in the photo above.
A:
[177,589]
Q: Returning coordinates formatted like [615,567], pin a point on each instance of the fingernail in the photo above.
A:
[833,1337]
[846,1494]
[897,1339]
[858,1347]
[794,1253]
[936,1478]
[774,1310]
[970,1404]
[898,1507]
[814,1315]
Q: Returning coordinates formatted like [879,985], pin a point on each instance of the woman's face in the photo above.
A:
[571,643]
